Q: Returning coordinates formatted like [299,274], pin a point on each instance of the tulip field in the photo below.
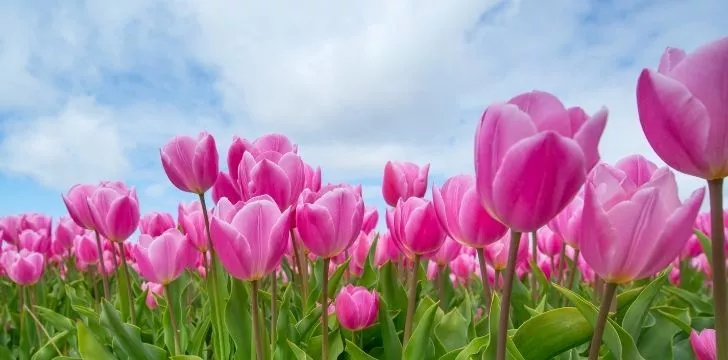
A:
[544,251]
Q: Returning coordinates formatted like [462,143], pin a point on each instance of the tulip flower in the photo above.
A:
[193,225]
[386,250]
[162,259]
[23,267]
[156,223]
[371,216]
[359,252]
[36,241]
[191,164]
[403,180]
[66,232]
[10,227]
[356,307]
[704,344]
[153,290]
[77,205]
[632,231]
[280,176]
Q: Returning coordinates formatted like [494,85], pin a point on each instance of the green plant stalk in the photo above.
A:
[484,279]
[507,290]
[125,293]
[572,275]
[300,260]
[560,270]
[173,321]
[411,299]
[273,307]
[324,310]
[104,276]
[717,235]
[216,310]
[255,315]
[596,341]
[441,286]
[534,257]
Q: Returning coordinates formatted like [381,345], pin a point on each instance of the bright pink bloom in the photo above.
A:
[683,112]
[191,164]
[10,229]
[76,203]
[66,232]
[463,267]
[312,177]
[162,259]
[403,180]
[23,267]
[448,251]
[386,250]
[532,156]
[415,228]
[629,232]
[704,345]
[156,223]
[280,176]
[497,253]
[153,290]
[86,252]
[37,241]
[356,307]
[461,214]
[36,222]
[115,211]
[549,243]
[252,242]
[371,216]
[331,223]
[193,225]
[274,142]
[359,251]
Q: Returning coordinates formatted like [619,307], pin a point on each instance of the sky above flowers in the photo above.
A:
[91,90]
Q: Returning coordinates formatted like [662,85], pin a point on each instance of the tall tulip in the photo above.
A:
[531,157]
[403,180]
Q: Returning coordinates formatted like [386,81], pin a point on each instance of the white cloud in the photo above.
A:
[353,84]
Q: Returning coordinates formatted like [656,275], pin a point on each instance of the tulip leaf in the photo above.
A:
[635,315]
[123,277]
[355,353]
[452,331]
[127,337]
[699,305]
[418,343]
[335,278]
[475,346]
[369,276]
[88,346]
[551,333]
[198,337]
[283,326]
[306,325]
[391,290]
[336,345]
[390,338]
[656,341]
[297,352]
[705,243]
[217,291]
[48,350]
[624,300]
[58,321]
[238,320]
[185,357]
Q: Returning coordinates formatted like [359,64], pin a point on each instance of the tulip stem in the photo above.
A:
[596,342]
[484,278]
[411,299]
[715,190]
[300,260]
[534,257]
[219,331]
[441,286]
[172,320]
[103,266]
[255,314]
[325,310]
[560,270]
[572,274]
[507,289]
[127,278]
[273,307]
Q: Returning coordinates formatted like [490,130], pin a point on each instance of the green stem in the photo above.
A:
[325,310]
[104,278]
[274,307]
[127,283]
[441,286]
[173,321]
[572,274]
[601,321]
[717,235]
[484,278]
[534,257]
[562,262]
[411,299]
[300,259]
[507,289]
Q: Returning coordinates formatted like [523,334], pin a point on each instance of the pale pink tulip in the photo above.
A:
[115,211]
[403,180]
[191,164]
[386,250]
[77,205]
[415,228]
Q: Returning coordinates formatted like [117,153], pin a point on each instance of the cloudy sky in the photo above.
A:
[90,90]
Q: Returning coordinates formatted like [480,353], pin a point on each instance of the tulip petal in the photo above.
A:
[588,137]
[231,247]
[317,231]
[270,179]
[596,233]
[123,218]
[545,110]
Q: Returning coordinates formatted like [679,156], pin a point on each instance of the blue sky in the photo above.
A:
[92,89]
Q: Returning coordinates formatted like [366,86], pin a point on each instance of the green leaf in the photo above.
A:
[452,331]
[390,339]
[58,321]
[701,306]
[185,357]
[48,350]
[217,291]
[704,243]
[283,327]
[355,353]
[238,320]
[305,327]
[198,337]
[369,276]
[128,337]
[551,333]
[123,290]
[417,344]
[656,341]
[88,346]
[297,352]
[335,278]
[635,315]
[475,346]
[391,290]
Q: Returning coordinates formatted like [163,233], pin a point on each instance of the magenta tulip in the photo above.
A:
[461,214]
[77,205]
[386,251]
[156,223]
[162,259]
[23,267]
[448,251]
[532,156]
[371,217]
[703,344]
[191,164]
[66,231]
[280,176]
[415,228]
[36,241]
[356,307]
[629,232]
[251,243]
[115,211]
[683,112]
[403,180]
[331,223]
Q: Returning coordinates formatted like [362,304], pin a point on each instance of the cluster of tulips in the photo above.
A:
[545,252]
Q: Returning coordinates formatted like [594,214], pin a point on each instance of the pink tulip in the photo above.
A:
[683,112]
[312,177]
[359,251]
[496,254]
[461,214]
[371,216]
[549,243]
[629,232]
[115,211]
[23,267]
[415,228]
[225,187]
[162,259]
[251,243]
[280,176]
[36,241]
[10,227]
[356,307]
[403,180]
[704,345]
[274,142]
[331,223]
[86,252]
[191,164]
[193,225]
[153,290]
[76,203]
[36,222]
[66,232]
[386,250]
[448,251]
[156,223]
[187,208]
[702,264]
[463,267]
[532,156]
